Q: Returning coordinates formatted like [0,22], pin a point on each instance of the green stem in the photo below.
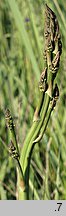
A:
[24,150]
[32,143]
[31,132]
[31,136]
[44,126]
[21,186]
[39,107]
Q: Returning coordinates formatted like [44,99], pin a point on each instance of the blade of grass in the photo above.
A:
[24,35]
[34,190]
[35,30]
[60,12]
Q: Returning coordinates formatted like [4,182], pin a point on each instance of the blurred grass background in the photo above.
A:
[21,63]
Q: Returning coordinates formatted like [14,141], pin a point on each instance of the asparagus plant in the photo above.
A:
[48,95]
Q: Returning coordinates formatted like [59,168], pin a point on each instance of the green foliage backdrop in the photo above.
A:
[21,62]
